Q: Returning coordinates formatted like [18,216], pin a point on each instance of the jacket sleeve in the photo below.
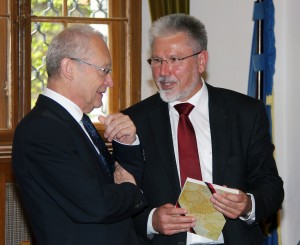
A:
[131,158]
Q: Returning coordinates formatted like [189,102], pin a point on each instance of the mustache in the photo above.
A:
[167,80]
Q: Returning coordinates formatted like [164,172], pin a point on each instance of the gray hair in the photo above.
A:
[174,23]
[71,42]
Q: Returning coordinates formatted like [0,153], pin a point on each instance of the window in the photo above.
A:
[27,28]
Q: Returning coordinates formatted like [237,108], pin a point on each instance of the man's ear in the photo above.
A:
[66,67]
[202,61]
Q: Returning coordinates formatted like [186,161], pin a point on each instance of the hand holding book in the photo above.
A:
[195,197]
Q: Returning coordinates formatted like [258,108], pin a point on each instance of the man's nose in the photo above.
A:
[109,81]
[165,67]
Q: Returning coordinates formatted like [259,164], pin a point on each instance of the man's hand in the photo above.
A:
[232,205]
[121,175]
[169,220]
[119,127]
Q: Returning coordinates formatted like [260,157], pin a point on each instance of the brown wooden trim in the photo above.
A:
[6,168]
[134,33]
[117,34]
[4,86]
[127,83]
[3,8]
[25,57]
[15,23]
[5,151]
[6,135]
[75,19]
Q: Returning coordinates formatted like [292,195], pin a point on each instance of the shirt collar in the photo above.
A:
[69,105]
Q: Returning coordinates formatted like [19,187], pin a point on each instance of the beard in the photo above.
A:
[169,89]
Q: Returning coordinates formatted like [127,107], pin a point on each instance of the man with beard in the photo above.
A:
[232,142]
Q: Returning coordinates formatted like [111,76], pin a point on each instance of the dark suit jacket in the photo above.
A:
[242,158]
[68,197]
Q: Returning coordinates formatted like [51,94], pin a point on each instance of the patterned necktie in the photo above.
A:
[104,156]
[187,145]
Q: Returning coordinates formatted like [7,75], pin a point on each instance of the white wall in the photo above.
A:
[287,119]
[230,26]
[229,43]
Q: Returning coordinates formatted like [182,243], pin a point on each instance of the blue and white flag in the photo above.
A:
[264,62]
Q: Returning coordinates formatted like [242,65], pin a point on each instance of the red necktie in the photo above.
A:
[187,145]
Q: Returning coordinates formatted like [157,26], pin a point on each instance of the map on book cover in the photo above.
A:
[195,197]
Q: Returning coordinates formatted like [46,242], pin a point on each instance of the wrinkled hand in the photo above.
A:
[232,205]
[121,175]
[169,220]
[119,127]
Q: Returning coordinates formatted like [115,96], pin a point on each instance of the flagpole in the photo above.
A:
[259,50]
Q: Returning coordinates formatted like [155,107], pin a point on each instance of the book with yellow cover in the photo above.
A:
[195,197]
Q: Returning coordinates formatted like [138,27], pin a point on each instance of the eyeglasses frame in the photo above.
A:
[105,70]
[166,60]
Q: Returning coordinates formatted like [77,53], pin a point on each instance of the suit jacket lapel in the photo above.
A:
[163,138]
[60,113]
[219,116]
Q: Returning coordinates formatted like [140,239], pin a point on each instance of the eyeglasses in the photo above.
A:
[105,70]
[173,61]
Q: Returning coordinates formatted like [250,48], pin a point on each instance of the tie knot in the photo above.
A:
[184,108]
[86,120]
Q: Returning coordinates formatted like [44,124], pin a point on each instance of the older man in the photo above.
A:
[65,173]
